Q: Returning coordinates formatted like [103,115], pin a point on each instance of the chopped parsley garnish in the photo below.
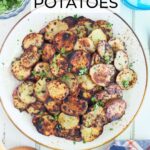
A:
[93,99]
[98,104]
[125,83]
[83,71]
[31,30]
[55,117]
[75,16]
[111,129]
[107,59]
[84,141]
[65,77]
[109,25]
[74,142]
[63,50]
[42,74]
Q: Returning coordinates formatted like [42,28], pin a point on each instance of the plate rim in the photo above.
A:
[123,129]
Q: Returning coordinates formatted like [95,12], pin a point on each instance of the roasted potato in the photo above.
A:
[42,70]
[71,81]
[102,74]
[40,90]
[26,92]
[85,82]
[57,90]
[80,31]
[17,102]
[71,22]
[105,51]
[67,121]
[35,108]
[126,79]
[31,49]
[74,107]
[105,26]
[19,72]
[29,59]
[45,124]
[85,44]
[53,28]
[91,133]
[121,60]
[59,65]
[33,39]
[95,59]
[79,61]
[114,91]
[95,118]
[97,35]
[117,44]
[86,95]
[48,52]
[115,109]
[64,41]
[52,106]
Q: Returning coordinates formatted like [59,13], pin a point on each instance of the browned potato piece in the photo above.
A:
[53,28]
[40,90]
[105,51]
[19,72]
[90,133]
[48,52]
[67,121]
[85,44]
[71,81]
[74,107]
[95,118]
[70,21]
[31,49]
[115,109]
[57,90]
[17,102]
[45,124]
[42,70]
[29,59]
[87,95]
[53,107]
[33,39]
[102,74]
[35,108]
[58,65]
[126,79]
[105,26]
[79,60]
[65,41]
[95,59]
[70,134]
[114,91]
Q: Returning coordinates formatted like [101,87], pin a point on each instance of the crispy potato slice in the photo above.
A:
[35,108]
[79,60]
[58,65]
[105,51]
[53,28]
[117,44]
[126,79]
[42,70]
[64,41]
[17,102]
[121,60]
[74,107]
[31,49]
[91,133]
[57,90]
[29,59]
[53,107]
[26,92]
[48,52]
[19,72]
[85,82]
[105,26]
[71,21]
[40,90]
[67,121]
[102,74]
[71,81]
[115,109]
[45,124]
[85,44]
[97,35]
[33,39]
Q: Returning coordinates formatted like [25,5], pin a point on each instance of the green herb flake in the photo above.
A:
[84,141]
[83,71]
[111,129]
[75,16]
[125,83]
[63,50]
[55,117]
[93,99]
[65,77]
[109,25]
[31,30]
[74,142]
[98,104]
[107,59]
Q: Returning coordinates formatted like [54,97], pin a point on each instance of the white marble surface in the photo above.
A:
[139,129]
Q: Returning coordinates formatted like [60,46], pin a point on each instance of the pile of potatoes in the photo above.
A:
[73,74]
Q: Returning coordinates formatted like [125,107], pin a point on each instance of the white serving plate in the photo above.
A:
[134,97]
